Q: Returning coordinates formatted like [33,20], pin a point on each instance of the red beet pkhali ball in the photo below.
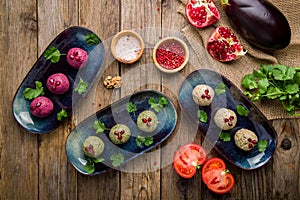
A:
[77,57]
[58,83]
[41,107]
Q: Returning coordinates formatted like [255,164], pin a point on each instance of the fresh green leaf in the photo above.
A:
[81,86]
[117,159]
[99,126]
[224,136]
[220,88]
[273,92]
[158,106]
[263,85]
[30,93]
[249,82]
[131,107]
[89,167]
[202,115]
[241,110]
[140,140]
[61,114]
[92,39]
[262,145]
[292,88]
[52,54]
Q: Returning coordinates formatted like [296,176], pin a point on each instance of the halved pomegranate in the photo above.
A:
[224,46]
[201,13]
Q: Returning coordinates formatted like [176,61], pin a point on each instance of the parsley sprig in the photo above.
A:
[158,106]
[61,114]
[262,145]
[81,86]
[147,141]
[275,82]
[242,111]
[92,39]
[131,108]
[99,126]
[117,159]
[225,136]
[89,167]
[220,88]
[31,93]
[202,115]
[52,54]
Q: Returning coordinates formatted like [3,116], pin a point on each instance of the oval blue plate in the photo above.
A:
[231,98]
[43,68]
[117,113]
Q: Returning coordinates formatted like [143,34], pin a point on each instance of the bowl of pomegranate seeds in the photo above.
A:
[170,55]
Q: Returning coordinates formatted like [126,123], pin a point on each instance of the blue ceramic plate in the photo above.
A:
[43,68]
[231,98]
[117,113]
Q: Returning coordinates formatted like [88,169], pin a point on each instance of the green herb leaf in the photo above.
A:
[81,86]
[273,92]
[52,54]
[292,88]
[263,85]
[220,88]
[92,39]
[140,140]
[30,93]
[131,107]
[99,126]
[202,115]
[262,145]
[241,110]
[158,106]
[224,136]
[61,114]
[117,159]
[90,165]
[249,82]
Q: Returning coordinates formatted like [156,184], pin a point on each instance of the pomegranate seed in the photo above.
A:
[231,118]
[51,80]
[38,104]
[148,124]
[254,142]
[249,139]
[250,146]
[226,120]
[122,132]
[144,120]
[149,119]
[57,83]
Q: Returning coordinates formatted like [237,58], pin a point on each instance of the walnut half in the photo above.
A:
[112,82]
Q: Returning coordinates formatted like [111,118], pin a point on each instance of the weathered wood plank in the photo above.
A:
[102,17]
[18,148]
[141,179]
[57,180]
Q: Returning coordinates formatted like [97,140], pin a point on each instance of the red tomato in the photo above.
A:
[216,177]
[212,163]
[187,159]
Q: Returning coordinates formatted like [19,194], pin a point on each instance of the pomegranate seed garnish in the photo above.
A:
[250,146]
[51,80]
[148,124]
[254,142]
[144,120]
[149,119]
[249,139]
[57,83]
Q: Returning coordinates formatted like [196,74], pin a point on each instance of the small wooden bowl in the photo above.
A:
[184,47]
[114,43]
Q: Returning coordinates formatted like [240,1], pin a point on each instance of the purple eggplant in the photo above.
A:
[259,22]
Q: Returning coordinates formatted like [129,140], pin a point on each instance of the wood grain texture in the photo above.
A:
[36,166]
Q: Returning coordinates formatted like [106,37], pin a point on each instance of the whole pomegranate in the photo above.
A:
[201,13]
[224,46]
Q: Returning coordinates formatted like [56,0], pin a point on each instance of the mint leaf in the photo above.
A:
[61,114]
[30,93]
[224,136]
[241,110]
[202,115]
[52,54]
[117,159]
[99,126]
[158,106]
[262,145]
[140,140]
[81,86]
[92,39]
[131,108]
[220,88]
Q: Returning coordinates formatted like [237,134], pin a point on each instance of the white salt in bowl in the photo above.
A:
[127,46]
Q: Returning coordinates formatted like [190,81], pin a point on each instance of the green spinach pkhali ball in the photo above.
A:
[147,121]
[119,134]
[93,147]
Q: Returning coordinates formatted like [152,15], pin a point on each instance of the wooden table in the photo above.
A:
[36,167]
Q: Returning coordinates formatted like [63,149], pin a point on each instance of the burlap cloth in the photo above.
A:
[235,70]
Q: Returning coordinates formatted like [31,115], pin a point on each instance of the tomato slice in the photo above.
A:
[219,181]
[187,158]
[216,177]
[210,164]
